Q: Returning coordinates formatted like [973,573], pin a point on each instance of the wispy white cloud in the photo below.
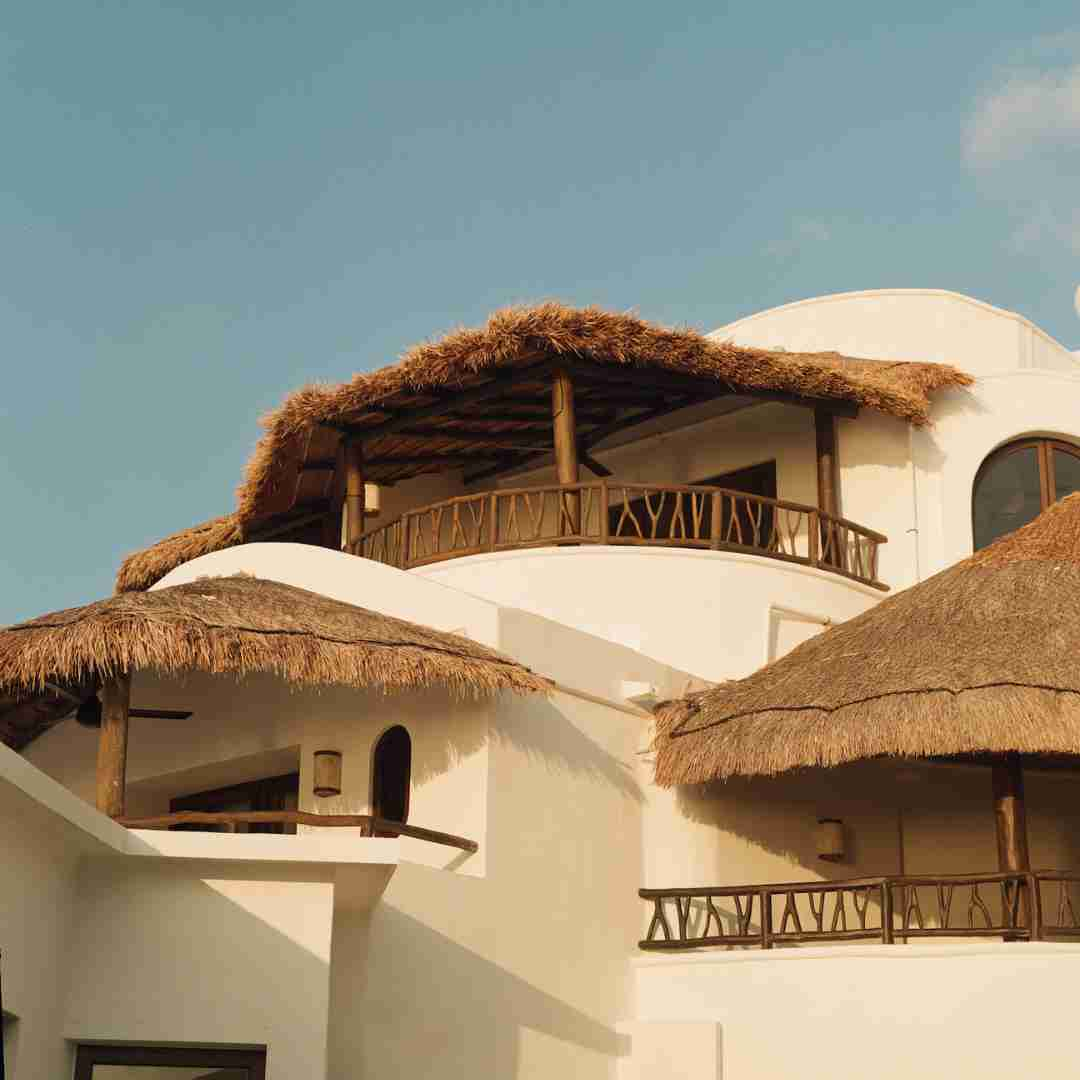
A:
[1030,108]
[1044,227]
[1022,144]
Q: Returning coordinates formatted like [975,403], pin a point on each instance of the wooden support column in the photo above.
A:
[112,745]
[564,429]
[354,495]
[1010,820]
[1009,814]
[332,525]
[828,485]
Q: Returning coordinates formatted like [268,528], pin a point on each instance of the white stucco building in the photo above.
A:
[746,506]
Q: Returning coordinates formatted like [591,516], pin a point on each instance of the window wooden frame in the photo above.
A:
[89,1055]
[1044,454]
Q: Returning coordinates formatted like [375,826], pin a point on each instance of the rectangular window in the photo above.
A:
[271,793]
[168,1063]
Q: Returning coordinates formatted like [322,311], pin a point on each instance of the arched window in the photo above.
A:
[1017,482]
[391,774]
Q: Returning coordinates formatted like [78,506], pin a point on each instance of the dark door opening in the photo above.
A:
[391,775]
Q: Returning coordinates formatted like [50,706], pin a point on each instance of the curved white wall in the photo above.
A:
[710,613]
[905,324]
[967,428]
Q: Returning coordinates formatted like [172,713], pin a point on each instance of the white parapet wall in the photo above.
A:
[711,613]
[990,1010]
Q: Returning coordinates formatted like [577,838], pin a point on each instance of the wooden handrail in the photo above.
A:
[1013,909]
[626,513]
[371,825]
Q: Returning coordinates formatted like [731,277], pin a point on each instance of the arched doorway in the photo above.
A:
[391,773]
[1018,481]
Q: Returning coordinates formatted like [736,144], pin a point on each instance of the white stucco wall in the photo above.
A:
[707,612]
[106,940]
[991,1010]
[932,325]
[202,954]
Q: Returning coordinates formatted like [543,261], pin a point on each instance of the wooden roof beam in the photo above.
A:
[451,403]
[674,381]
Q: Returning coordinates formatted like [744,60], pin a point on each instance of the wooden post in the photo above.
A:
[354,495]
[332,531]
[1010,819]
[112,745]
[828,485]
[564,427]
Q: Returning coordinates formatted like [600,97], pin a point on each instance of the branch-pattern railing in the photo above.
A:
[613,512]
[1022,906]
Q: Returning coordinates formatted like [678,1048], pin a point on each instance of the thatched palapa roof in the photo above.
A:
[142,568]
[480,400]
[590,342]
[982,657]
[232,626]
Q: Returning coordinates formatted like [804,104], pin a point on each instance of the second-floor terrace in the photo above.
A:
[416,463]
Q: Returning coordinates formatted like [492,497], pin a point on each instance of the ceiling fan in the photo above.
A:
[88,710]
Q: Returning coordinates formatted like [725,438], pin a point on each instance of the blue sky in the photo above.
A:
[205,205]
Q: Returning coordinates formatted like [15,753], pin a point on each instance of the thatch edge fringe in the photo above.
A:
[141,569]
[1038,720]
[138,644]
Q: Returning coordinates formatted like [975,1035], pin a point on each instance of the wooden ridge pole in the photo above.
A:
[564,430]
[354,495]
[112,745]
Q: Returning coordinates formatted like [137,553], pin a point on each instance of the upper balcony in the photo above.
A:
[552,391]
[626,514]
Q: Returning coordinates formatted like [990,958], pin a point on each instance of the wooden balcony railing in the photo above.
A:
[370,826]
[1017,907]
[613,512]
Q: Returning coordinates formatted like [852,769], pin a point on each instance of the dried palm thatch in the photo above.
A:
[293,468]
[142,568]
[237,626]
[982,657]
[519,337]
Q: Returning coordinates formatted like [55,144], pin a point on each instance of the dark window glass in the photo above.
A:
[1007,494]
[1018,482]
[1066,472]
[391,775]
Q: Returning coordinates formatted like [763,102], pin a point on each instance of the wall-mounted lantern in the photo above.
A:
[327,774]
[830,839]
